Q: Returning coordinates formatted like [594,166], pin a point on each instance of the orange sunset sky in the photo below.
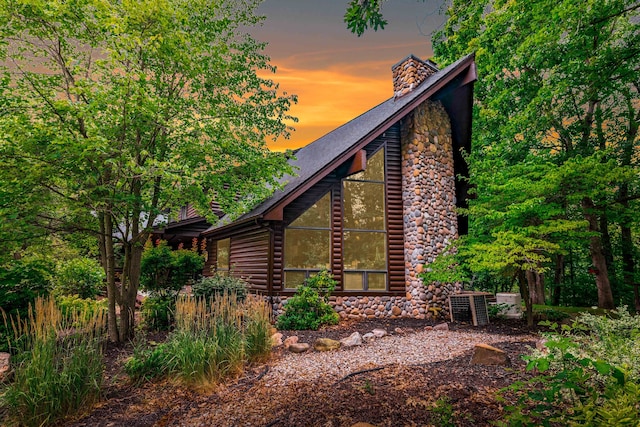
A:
[337,75]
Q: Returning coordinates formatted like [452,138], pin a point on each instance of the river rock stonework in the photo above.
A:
[428,192]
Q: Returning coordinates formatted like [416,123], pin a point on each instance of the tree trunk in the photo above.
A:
[607,250]
[605,296]
[535,282]
[557,280]
[107,256]
[526,296]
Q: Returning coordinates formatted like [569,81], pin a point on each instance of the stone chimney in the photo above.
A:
[409,73]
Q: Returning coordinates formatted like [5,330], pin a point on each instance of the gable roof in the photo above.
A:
[319,158]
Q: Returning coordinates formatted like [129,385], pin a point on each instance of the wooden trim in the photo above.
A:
[359,162]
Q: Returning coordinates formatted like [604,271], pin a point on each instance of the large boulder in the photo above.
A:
[326,344]
[484,354]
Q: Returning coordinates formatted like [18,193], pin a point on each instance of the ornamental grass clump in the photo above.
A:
[58,363]
[212,341]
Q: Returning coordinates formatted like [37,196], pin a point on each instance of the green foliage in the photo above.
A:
[442,413]
[497,311]
[213,287]
[212,341]
[588,375]
[157,312]
[72,306]
[361,15]
[57,367]
[83,277]
[309,308]
[551,314]
[164,271]
[172,104]
[21,281]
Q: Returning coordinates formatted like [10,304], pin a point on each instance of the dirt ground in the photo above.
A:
[450,392]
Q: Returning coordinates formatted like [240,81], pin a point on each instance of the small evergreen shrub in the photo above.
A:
[157,312]
[215,286]
[83,277]
[309,308]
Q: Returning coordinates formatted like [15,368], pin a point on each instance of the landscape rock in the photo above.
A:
[276,339]
[5,365]
[361,424]
[484,354]
[299,347]
[399,331]
[368,336]
[441,327]
[379,333]
[290,340]
[326,344]
[353,339]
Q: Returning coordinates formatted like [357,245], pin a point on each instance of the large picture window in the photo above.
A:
[307,243]
[364,225]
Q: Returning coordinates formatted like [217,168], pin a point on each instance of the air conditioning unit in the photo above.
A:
[469,307]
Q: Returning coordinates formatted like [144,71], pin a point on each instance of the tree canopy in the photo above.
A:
[555,140]
[113,113]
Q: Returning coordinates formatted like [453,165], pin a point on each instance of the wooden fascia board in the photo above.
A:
[376,132]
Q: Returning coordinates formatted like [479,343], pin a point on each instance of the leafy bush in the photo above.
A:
[218,285]
[164,271]
[73,306]
[58,367]
[83,277]
[157,312]
[22,281]
[147,363]
[589,375]
[309,308]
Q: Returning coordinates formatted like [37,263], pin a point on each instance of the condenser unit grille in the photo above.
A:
[469,307]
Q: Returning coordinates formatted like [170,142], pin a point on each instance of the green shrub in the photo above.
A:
[72,306]
[218,285]
[309,308]
[22,281]
[58,368]
[164,271]
[588,375]
[147,363]
[83,277]
[157,312]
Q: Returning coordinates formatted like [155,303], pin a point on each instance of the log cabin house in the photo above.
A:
[373,201]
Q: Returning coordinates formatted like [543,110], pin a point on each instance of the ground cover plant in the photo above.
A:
[212,340]
[57,361]
[589,375]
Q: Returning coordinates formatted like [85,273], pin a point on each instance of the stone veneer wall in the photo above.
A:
[430,222]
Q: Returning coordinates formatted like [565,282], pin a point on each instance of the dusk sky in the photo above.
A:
[337,75]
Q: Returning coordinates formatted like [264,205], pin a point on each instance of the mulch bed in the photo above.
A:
[429,394]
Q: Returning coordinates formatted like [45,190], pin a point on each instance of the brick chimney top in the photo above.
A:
[409,73]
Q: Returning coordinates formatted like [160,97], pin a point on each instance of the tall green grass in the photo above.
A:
[58,363]
[212,340]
